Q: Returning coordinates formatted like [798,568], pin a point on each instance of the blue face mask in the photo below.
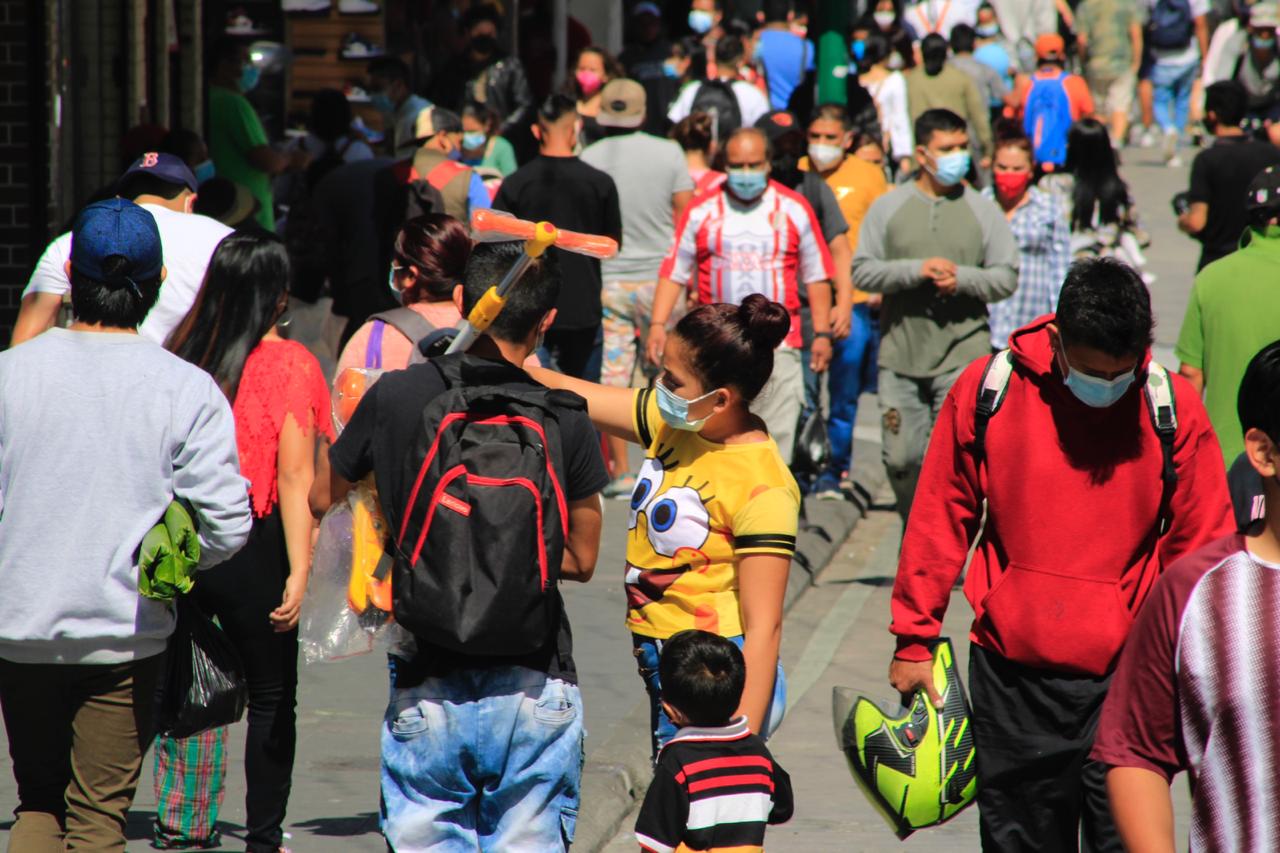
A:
[381,102]
[950,169]
[391,283]
[204,171]
[858,49]
[670,71]
[1095,392]
[675,409]
[248,78]
[474,140]
[746,184]
[700,21]
[987,31]
[1262,43]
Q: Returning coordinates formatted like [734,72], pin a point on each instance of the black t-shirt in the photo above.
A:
[572,195]
[1220,177]
[377,438]
[1247,495]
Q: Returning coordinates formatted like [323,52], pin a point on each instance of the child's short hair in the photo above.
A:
[1258,401]
[702,677]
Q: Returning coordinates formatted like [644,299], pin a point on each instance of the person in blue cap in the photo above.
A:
[100,429]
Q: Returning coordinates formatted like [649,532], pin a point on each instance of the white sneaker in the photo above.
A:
[305,5]
[358,7]
[1174,162]
[1147,139]
[1169,147]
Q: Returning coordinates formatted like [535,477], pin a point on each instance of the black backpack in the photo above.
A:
[716,97]
[481,536]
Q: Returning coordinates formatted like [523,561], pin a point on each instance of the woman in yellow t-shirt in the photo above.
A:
[713,518]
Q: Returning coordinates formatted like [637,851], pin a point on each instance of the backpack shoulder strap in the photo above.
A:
[407,322]
[1161,405]
[991,394]
[444,172]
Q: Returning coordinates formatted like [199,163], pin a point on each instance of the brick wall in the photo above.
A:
[23,194]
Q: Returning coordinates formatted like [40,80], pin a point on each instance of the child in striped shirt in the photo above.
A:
[715,786]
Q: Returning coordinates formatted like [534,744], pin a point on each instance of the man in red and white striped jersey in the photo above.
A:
[753,235]
[1197,682]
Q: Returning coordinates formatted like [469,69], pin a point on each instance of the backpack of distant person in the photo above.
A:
[1157,392]
[717,99]
[426,192]
[478,550]
[1172,24]
[1047,118]
[407,322]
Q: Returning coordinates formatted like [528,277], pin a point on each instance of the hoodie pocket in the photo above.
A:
[1054,621]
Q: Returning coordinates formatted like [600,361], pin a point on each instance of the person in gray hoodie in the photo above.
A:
[99,430]
[939,252]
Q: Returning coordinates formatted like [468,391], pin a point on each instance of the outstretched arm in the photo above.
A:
[612,410]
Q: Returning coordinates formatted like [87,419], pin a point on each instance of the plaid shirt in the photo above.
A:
[1044,245]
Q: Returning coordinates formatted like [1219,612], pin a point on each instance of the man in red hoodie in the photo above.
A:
[1072,472]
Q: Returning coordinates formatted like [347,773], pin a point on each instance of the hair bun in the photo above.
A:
[765,322]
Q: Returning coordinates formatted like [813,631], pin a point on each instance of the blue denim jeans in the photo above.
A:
[483,759]
[1172,85]
[852,371]
[648,650]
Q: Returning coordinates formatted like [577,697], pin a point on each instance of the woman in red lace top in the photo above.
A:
[281,407]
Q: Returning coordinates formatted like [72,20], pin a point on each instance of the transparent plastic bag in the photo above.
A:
[348,388]
[347,605]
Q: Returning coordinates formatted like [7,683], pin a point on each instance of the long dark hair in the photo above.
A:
[1098,186]
[240,300]
[439,246]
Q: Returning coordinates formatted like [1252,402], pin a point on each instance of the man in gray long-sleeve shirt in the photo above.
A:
[939,252]
[99,430]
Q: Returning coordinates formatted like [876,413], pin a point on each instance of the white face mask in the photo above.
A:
[822,155]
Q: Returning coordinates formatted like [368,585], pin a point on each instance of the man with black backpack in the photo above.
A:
[490,485]
[733,101]
[1095,469]
[1177,37]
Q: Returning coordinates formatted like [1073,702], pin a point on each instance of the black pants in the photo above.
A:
[577,352]
[1037,789]
[241,593]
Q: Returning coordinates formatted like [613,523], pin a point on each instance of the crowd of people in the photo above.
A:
[953,235]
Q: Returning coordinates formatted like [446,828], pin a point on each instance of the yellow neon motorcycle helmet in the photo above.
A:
[916,765]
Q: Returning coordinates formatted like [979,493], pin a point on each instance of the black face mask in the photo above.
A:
[785,169]
[484,45]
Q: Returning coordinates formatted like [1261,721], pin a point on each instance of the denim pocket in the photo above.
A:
[408,724]
[555,710]
[568,823]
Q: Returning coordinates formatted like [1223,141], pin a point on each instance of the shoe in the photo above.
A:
[356,95]
[620,488]
[1169,146]
[1147,139]
[305,5]
[240,24]
[356,47]
[358,7]
[829,494]
[1174,162]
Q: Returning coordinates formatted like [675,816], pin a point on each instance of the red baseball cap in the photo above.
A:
[1050,46]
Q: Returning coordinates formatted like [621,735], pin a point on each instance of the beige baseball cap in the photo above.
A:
[622,104]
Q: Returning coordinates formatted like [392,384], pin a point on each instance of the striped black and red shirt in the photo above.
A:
[1196,690]
[713,789]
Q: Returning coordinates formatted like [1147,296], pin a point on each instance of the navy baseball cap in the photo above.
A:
[169,168]
[116,227]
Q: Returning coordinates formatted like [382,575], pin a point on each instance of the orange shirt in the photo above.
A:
[856,183]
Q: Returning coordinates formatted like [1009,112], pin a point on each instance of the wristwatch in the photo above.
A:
[826,335]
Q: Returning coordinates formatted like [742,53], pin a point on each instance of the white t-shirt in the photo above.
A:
[188,241]
[752,103]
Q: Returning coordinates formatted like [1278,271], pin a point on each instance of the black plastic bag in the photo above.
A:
[204,684]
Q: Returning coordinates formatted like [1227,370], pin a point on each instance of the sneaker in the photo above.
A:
[358,7]
[829,494]
[1147,139]
[356,95]
[1169,147]
[1174,162]
[240,24]
[356,47]
[620,488]
[305,5]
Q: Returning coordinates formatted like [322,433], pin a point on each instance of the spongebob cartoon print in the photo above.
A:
[672,515]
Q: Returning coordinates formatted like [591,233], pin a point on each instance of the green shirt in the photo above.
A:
[924,332]
[499,155]
[1105,24]
[234,130]
[1234,311]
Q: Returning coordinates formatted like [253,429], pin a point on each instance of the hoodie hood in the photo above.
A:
[1033,348]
